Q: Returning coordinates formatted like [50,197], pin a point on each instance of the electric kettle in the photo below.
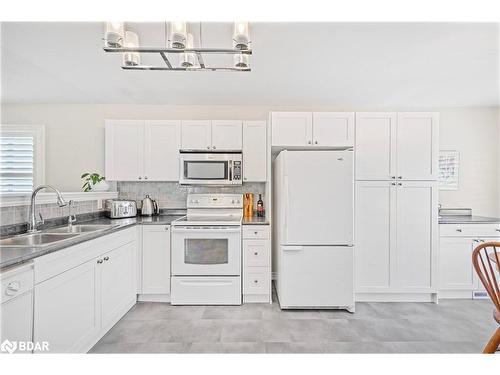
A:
[149,206]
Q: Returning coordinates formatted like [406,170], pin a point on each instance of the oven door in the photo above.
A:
[206,169]
[206,250]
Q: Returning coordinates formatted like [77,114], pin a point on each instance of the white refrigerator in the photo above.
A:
[313,239]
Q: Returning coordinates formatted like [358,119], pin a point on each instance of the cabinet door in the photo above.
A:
[156,259]
[417,146]
[163,140]
[226,135]
[65,309]
[455,264]
[117,284]
[416,235]
[17,318]
[374,220]
[375,152]
[196,135]
[124,150]
[254,151]
[333,129]
[291,129]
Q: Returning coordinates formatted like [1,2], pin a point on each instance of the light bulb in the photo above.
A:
[241,35]
[114,34]
[131,41]
[178,35]
[241,61]
[188,59]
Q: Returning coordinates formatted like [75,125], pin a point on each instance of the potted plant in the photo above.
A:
[94,182]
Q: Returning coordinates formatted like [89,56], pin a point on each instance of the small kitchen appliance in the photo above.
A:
[206,251]
[149,207]
[120,208]
[210,168]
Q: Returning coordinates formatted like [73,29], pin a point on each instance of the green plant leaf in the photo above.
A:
[84,175]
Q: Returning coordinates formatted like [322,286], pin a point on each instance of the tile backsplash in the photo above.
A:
[172,195]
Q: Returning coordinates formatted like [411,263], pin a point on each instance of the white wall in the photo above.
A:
[75,141]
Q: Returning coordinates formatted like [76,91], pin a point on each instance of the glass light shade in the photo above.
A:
[114,34]
[131,41]
[241,35]
[188,59]
[241,61]
[178,35]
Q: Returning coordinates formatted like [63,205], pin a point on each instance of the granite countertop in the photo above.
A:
[467,219]
[10,256]
[255,221]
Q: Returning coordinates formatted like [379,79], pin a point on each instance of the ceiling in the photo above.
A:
[332,64]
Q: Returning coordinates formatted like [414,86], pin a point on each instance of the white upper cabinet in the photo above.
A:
[137,150]
[124,150]
[396,146]
[226,135]
[196,135]
[417,146]
[291,129]
[163,140]
[254,151]
[333,129]
[374,152]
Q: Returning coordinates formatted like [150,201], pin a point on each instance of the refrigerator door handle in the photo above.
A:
[293,248]
[285,208]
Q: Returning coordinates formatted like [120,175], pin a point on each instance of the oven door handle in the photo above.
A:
[235,229]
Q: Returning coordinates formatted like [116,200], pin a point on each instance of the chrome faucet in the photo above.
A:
[71,217]
[33,222]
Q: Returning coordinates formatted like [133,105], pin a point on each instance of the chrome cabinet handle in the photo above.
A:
[255,233]
[459,230]
[99,261]
[256,253]
[12,288]
[400,184]
[145,177]
[315,142]
[256,281]
[166,228]
[498,230]
[393,177]
[400,177]
[140,178]
[213,147]
[208,147]
[106,258]
[309,142]
[393,183]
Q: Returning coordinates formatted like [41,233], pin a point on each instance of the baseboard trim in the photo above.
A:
[395,297]
[153,298]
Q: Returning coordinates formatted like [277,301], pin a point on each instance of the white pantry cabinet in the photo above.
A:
[396,236]
[16,308]
[138,150]
[396,146]
[155,259]
[213,135]
[308,129]
[254,151]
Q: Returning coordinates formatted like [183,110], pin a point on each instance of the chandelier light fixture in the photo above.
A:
[179,40]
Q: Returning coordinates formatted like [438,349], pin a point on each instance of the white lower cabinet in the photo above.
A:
[76,304]
[256,263]
[16,308]
[396,240]
[155,259]
[457,276]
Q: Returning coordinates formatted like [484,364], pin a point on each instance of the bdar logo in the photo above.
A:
[8,346]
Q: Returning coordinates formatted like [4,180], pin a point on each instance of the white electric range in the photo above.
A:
[206,251]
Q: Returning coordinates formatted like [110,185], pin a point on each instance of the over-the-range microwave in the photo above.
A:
[210,168]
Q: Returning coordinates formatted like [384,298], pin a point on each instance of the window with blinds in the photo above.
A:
[16,163]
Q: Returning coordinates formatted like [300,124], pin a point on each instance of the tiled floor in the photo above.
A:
[452,326]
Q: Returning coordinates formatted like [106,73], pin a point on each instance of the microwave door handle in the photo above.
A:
[230,170]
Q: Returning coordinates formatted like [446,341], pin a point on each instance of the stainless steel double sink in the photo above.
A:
[53,235]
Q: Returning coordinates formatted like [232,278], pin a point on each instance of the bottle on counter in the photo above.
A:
[260,207]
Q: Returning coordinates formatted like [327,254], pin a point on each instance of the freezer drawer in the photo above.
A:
[316,277]
[206,290]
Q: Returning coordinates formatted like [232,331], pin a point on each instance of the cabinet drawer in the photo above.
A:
[256,231]
[470,230]
[16,281]
[256,253]
[256,280]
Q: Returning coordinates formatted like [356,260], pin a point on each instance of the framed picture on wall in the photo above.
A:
[449,164]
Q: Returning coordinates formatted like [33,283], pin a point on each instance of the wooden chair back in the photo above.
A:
[486,261]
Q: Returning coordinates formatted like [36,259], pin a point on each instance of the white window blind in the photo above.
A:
[21,158]
[16,164]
